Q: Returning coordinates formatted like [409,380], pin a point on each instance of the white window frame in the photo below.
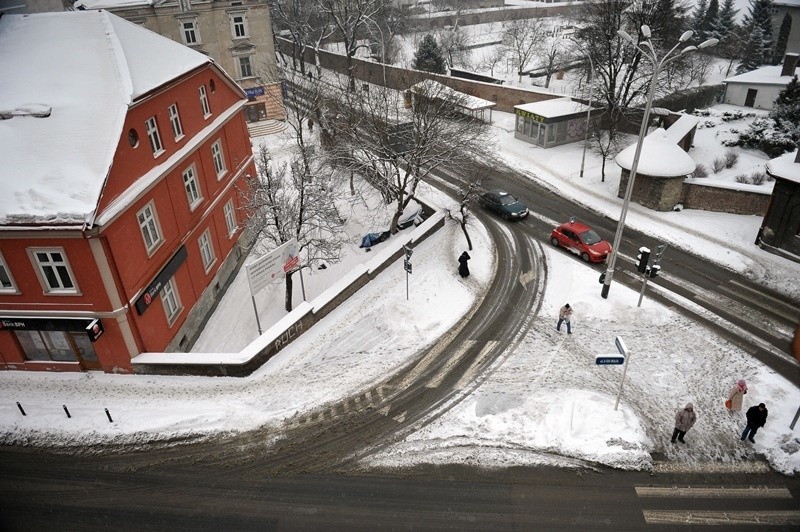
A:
[219,159]
[59,268]
[147,218]
[175,121]
[230,218]
[192,187]
[4,269]
[207,250]
[151,126]
[171,301]
[239,29]
[245,66]
[190,31]
[204,101]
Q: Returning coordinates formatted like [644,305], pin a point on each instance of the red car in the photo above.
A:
[580,239]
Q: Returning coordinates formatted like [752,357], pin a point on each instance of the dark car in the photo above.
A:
[504,204]
[581,239]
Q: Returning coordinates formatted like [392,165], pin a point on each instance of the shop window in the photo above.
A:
[54,271]
[255,112]
[46,346]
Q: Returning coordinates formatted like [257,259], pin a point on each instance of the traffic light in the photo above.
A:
[652,271]
[642,258]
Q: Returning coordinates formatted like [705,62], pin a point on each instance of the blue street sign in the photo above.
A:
[604,360]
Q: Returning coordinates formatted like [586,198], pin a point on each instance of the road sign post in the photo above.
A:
[407,265]
[623,350]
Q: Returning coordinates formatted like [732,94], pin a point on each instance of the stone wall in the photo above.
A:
[718,199]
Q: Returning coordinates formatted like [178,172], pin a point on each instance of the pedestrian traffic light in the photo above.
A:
[642,258]
[653,271]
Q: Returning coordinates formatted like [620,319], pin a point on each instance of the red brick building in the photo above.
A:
[125,158]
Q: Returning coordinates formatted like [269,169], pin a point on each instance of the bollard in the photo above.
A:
[21,409]
[67,411]
[109,416]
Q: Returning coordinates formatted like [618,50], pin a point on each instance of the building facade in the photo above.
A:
[237,34]
[122,213]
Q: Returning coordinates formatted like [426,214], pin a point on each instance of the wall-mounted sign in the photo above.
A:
[95,330]
[254,92]
[163,277]
[87,325]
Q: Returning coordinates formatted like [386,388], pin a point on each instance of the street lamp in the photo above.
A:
[589,110]
[658,64]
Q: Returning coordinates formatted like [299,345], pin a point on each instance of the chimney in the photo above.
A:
[789,64]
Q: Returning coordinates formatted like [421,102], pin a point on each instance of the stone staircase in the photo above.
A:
[266,127]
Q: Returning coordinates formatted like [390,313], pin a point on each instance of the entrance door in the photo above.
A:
[750,100]
[84,350]
[255,112]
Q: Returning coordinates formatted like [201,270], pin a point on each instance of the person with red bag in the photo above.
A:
[736,397]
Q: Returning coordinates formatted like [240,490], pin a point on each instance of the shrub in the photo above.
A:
[730,159]
[700,171]
[741,178]
[758,177]
[718,165]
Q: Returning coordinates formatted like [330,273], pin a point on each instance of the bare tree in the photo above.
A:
[305,25]
[454,44]
[467,196]
[493,59]
[605,142]
[522,36]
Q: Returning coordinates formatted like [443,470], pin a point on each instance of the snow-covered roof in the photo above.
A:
[86,68]
[768,75]
[435,89]
[660,157]
[681,127]
[554,108]
[113,4]
[785,167]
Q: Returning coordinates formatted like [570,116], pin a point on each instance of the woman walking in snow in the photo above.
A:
[684,420]
[736,396]
[463,267]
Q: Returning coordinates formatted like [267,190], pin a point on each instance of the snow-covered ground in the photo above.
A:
[544,402]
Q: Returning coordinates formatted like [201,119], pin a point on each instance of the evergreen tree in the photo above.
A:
[429,56]
[698,18]
[725,24]
[752,53]
[787,106]
[709,20]
[783,39]
[760,16]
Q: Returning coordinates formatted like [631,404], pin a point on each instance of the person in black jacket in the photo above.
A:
[463,267]
[756,418]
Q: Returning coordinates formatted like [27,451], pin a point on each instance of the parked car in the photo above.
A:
[581,240]
[504,204]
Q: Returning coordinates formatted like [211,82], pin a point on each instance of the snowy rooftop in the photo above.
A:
[434,88]
[111,4]
[768,75]
[660,157]
[86,68]
[785,167]
[554,108]
[681,128]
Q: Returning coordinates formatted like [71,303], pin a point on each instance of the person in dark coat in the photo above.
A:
[756,418]
[463,267]
[684,420]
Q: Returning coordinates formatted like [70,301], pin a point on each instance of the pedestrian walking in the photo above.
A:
[756,418]
[564,316]
[684,420]
[736,396]
[463,267]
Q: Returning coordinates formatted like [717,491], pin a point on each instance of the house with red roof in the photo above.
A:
[125,160]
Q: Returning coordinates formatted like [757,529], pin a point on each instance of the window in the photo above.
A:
[149,226]
[171,301]
[206,249]
[54,270]
[192,188]
[245,68]
[191,34]
[175,120]
[204,101]
[153,135]
[219,160]
[230,218]
[46,346]
[239,26]
[7,282]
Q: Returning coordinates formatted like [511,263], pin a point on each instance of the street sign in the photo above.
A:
[621,347]
[605,360]
[407,265]
[408,251]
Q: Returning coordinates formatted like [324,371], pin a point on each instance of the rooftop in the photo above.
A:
[554,108]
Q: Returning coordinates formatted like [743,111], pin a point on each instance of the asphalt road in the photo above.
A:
[311,477]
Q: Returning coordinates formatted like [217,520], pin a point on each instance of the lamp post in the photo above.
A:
[588,111]
[648,51]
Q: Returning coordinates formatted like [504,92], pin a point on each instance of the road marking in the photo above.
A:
[451,363]
[711,517]
[401,417]
[384,411]
[707,493]
[527,277]
[368,396]
[422,365]
[468,375]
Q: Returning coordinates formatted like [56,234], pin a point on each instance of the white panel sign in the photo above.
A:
[272,266]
